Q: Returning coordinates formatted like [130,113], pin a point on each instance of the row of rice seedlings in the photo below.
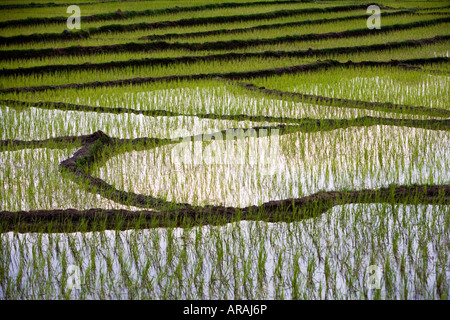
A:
[24,30]
[59,27]
[430,51]
[441,68]
[40,124]
[254,170]
[338,26]
[123,37]
[98,8]
[402,35]
[31,180]
[127,72]
[274,23]
[394,85]
[415,4]
[57,2]
[415,33]
[327,258]
[259,22]
[279,33]
[111,7]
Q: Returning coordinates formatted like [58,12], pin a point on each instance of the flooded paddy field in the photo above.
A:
[227,150]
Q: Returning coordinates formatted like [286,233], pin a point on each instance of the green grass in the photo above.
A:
[399,35]
[439,49]
[320,250]
[308,163]
[157,71]
[247,260]
[394,85]
[201,67]
[262,34]
[7,32]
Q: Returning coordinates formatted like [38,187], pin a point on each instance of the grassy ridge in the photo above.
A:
[194,21]
[220,45]
[55,4]
[431,50]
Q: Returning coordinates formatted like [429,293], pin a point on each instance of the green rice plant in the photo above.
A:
[367,185]
[378,84]
[215,15]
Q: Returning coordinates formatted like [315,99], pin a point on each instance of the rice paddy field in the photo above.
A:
[225,150]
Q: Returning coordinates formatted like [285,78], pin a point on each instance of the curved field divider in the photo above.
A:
[53,4]
[232,75]
[289,210]
[223,57]
[83,34]
[350,103]
[306,125]
[98,147]
[143,13]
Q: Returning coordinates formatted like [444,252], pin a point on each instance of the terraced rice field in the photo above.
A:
[232,149]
